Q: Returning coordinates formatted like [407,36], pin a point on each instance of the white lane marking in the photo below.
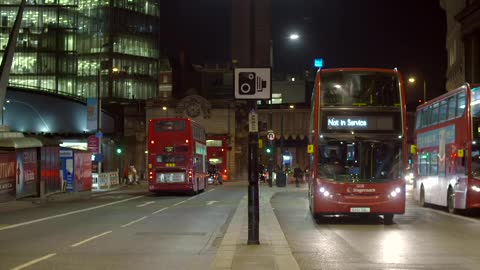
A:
[211,202]
[158,211]
[147,203]
[452,215]
[34,261]
[178,203]
[66,214]
[191,198]
[211,190]
[90,239]
[135,221]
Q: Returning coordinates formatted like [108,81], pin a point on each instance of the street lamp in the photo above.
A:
[294,36]
[412,80]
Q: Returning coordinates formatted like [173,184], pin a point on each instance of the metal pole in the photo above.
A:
[253,204]
[424,91]
[281,138]
[270,157]
[253,201]
[7,59]
[99,116]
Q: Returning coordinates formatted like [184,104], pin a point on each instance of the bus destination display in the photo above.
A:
[359,123]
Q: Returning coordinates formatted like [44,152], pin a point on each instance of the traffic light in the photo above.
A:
[119,150]
[268,149]
[419,101]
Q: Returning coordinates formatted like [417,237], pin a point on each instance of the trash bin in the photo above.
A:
[281,179]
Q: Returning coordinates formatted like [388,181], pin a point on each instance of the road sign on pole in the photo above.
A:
[253,83]
[252,122]
[270,135]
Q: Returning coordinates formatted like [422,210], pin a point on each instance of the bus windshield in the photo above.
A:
[360,161]
[168,126]
[359,88]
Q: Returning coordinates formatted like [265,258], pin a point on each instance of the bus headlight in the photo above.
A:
[324,191]
[476,188]
[409,177]
[395,192]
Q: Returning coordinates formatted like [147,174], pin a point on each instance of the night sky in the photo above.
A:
[408,34]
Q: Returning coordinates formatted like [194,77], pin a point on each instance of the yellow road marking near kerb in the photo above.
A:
[32,262]
[90,239]
[66,214]
[133,222]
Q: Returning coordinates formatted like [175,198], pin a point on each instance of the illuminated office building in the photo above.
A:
[63,44]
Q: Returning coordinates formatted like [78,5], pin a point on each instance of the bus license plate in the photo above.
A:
[360,210]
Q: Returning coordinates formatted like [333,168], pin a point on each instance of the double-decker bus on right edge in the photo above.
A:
[447,163]
[358,143]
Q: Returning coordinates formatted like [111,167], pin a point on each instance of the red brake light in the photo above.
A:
[223,149]
[186,141]
[152,142]
[225,171]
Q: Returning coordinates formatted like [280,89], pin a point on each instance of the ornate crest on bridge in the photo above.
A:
[193,106]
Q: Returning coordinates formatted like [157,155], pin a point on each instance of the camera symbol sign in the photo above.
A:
[253,83]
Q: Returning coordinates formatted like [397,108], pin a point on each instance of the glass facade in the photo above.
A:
[63,44]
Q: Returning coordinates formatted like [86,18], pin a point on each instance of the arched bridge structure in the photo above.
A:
[45,113]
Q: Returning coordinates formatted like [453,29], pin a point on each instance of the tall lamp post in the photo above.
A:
[412,80]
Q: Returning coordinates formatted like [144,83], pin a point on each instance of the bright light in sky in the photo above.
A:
[294,36]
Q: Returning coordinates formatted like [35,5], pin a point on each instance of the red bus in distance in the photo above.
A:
[447,136]
[176,155]
[217,153]
[358,143]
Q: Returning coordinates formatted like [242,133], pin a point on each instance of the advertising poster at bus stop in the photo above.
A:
[26,173]
[83,171]
[66,159]
[7,176]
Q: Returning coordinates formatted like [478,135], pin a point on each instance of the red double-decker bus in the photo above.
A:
[358,143]
[217,153]
[447,165]
[176,155]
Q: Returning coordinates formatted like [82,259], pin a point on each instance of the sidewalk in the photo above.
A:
[273,251]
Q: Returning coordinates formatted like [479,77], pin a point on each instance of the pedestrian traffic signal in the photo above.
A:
[119,150]
[268,150]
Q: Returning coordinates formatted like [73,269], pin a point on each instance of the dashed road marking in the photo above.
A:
[145,204]
[133,222]
[90,239]
[66,214]
[178,203]
[32,262]
[158,211]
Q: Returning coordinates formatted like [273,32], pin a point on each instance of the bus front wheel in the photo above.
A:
[388,219]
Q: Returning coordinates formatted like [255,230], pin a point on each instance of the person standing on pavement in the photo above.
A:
[297,173]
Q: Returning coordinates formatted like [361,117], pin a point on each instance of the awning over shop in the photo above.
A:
[19,143]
